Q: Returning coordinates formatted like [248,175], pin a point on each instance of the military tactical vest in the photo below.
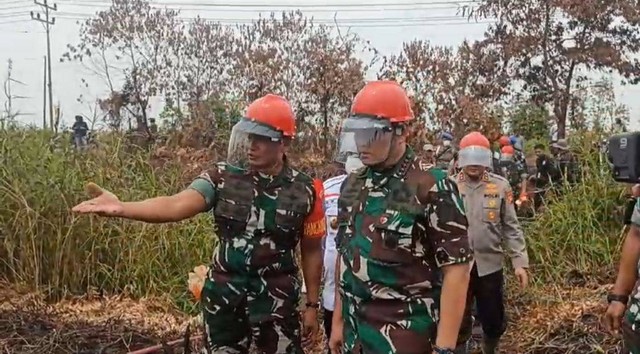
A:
[242,201]
[393,230]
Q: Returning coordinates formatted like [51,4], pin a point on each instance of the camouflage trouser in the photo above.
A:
[630,338]
[387,326]
[239,308]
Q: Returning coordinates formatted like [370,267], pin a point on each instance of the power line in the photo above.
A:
[48,22]
[267,9]
[315,20]
[21,7]
[271,5]
[352,23]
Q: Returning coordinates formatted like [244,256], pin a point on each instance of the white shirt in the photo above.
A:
[331,194]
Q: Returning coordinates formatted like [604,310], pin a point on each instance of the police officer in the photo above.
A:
[619,299]
[489,205]
[350,162]
[263,208]
[401,223]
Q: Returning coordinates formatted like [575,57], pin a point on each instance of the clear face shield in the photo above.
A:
[475,156]
[506,157]
[249,141]
[368,138]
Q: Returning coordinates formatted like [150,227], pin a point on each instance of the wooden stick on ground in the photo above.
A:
[158,347]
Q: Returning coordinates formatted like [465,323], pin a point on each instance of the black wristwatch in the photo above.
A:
[313,305]
[619,298]
[439,350]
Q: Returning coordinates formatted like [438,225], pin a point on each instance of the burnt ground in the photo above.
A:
[543,321]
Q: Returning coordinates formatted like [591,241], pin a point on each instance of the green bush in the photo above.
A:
[580,230]
[47,247]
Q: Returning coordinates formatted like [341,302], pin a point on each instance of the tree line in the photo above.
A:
[537,65]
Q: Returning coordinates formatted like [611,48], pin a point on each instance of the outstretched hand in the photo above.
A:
[103,202]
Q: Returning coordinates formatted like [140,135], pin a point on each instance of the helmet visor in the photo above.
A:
[360,133]
[475,156]
[243,134]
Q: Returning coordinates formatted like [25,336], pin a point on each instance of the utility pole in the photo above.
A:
[9,114]
[9,105]
[44,94]
[48,22]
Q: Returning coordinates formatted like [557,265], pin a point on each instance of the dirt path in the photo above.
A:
[545,324]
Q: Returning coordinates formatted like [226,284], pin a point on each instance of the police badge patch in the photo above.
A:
[509,196]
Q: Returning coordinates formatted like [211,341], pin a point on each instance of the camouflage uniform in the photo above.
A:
[444,155]
[396,228]
[631,322]
[568,167]
[515,173]
[253,288]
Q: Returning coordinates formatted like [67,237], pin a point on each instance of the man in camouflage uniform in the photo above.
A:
[566,162]
[489,204]
[153,127]
[445,151]
[429,153]
[626,281]
[514,172]
[401,225]
[262,208]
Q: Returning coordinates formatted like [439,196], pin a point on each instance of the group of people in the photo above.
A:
[551,171]
[411,253]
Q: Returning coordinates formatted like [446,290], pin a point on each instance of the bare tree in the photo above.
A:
[552,45]
[133,42]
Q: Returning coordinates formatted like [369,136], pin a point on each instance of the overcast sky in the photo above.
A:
[387,24]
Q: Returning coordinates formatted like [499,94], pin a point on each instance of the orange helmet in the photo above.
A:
[383,99]
[475,150]
[475,139]
[274,111]
[507,150]
[504,141]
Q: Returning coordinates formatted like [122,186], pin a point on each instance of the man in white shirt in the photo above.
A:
[331,194]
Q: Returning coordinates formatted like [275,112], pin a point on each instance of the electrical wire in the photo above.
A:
[272,5]
[371,23]
[343,22]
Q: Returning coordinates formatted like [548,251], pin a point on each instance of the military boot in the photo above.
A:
[490,345]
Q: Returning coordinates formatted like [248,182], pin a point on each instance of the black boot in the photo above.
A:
[490,345]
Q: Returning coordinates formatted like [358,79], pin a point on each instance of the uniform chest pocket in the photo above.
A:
[231,218]
[392,243]
[289,220]
[491,209]
[292,206]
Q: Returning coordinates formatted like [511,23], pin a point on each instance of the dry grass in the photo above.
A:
[554,320]
[548,320]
